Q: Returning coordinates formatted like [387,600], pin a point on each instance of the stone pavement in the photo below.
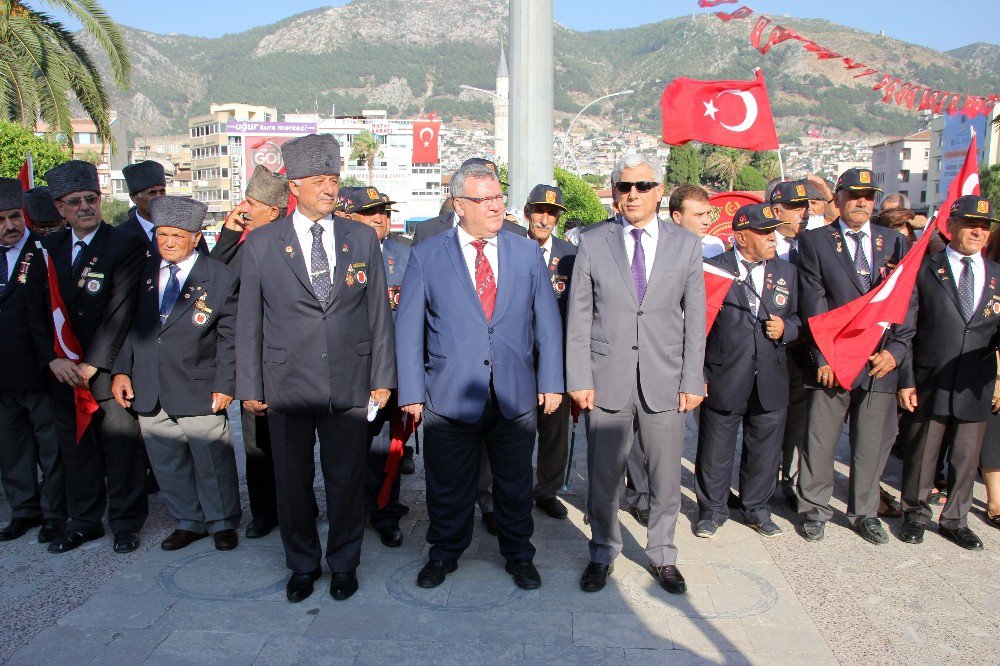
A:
[750,600]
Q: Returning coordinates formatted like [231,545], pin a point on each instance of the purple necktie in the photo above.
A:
[639,265]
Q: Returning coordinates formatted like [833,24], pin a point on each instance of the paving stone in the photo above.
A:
[545,655]
[306,651]
[653,657]
[439,653]
[697,635]
[61,645]
[549,628]
[279,617]
[207,647]
[119,611]
[781,640]
[614,630]
[128,648]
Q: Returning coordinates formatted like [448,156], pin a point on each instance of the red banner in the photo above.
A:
[425,141]
[27,179]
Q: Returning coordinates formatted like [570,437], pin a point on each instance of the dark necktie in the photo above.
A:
[748,284]
[170,293]
[486,284]
[4,267]
[861,264]
[322,286]
[966,289]
[793,250]
[639,265]
[75,268]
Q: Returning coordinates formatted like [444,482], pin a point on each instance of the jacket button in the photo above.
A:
[324,357]
[754,357]
[159,340]
[639,313]
[635,349]
[491,330]
[486,362]
[80,313]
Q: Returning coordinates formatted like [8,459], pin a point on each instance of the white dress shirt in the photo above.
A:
[650,234]
[866,243]
[88,239]
[13,252]
[146,225]
[756,276]
[711,246]
[547,251]
[303,226]
[978,271]
[185,267]
[469,252]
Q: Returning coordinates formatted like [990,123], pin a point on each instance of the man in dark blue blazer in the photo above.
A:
[476,309]
[315,349]
[747,375]
[947,379]
[838,264]
[147,181]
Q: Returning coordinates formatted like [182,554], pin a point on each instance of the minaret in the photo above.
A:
[501,110]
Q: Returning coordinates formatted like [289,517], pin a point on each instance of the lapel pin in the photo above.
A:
[344,249]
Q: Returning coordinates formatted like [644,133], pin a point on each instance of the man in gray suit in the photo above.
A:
[635,348]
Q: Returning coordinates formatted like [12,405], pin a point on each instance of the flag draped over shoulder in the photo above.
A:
[717,283]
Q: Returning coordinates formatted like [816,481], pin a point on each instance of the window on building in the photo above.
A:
[905,154]
[904,176]
[923,197]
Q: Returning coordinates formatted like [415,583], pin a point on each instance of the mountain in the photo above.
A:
[357,56]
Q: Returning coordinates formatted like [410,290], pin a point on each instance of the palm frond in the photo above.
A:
[99,25]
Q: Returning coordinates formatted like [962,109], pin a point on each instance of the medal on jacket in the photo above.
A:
[202,312]
[359,272]
[22,273]
[393,293]
[85,273]
[349,278]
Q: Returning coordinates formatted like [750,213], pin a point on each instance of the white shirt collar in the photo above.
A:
[454,219]
[956,257]
[867,228]
[146,225]
[464,237]
[740,259]
[183,264]
[88,239]
[652,228]
[547,247]
[19,245]
[300,220]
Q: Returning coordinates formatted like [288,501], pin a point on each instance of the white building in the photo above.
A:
[900,167]
[949,142]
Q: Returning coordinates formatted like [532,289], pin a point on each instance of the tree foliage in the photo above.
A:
[581,200]
[989,184]
[114,211]
[749,179]
[366,148]
[726,164]
[15,143]
[684,165]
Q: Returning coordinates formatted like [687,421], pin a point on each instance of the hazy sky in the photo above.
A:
[935,23]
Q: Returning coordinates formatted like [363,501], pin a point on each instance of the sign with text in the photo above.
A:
[269,128]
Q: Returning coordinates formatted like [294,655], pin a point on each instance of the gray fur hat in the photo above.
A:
[311,155]
[72,176]
[38,202]
[144,175]
[178,212]
[269,188]
[11,196]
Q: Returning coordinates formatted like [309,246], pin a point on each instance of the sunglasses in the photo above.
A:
[76,201]
[642,186]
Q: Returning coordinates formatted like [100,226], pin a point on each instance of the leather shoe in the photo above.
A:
[641,515]
[68,541]
[343,585]
[595,576]
[706,528]
[181,539]
[766,528]
[406,465]
[912,532]
[992,520]
[961,536]
[300,586]
[870,529]
[670,578]
[260,527]
[553,507]
[525,574]
[17,527]
[391,536]
[51,528]
[813,530]
[434,573]
[226,539]
[490,521]
[126,541]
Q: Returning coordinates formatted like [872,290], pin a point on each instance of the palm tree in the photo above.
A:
[726,164]
[366,147]
[41,63]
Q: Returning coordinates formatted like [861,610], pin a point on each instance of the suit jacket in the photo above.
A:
[442,223]
[560,267]
[611,336]
[99,298]
[952,364]
[737,353]
[447,351]
[396,256]
[132,225]
[296,355]
[228,249]
[20,368]
[179,365]
[828,279]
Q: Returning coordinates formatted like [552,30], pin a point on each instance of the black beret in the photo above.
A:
[144,175]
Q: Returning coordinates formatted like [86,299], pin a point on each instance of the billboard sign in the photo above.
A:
[269,128]
[955,140]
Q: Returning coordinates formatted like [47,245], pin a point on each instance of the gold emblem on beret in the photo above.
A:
[768,213]
[983,207]
[865,177]
[800,190]
[550,196]
[372,193]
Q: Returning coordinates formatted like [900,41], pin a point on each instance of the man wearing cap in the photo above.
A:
[822,207]
[28,437]
[947,379]
[45,219]
[177,370]
[690,209]
[745,369]
[315,349]
[791,206]
[97,267]
[635,359]
[838,264]
[146,181]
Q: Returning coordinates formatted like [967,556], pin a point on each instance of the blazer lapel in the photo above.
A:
[504,287]
[192,289]
[61,260]
[458,263]
[93,251]
[838,242]
[15,270]
[289,240]
[342,238]
[879,244]
[989,289]
[616,243]
[661,252]
[942,271]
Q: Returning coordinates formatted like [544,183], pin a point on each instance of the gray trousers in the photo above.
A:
[29,441]
[635,485]
[872,415]
[194,463]
[796,420]
[609,438]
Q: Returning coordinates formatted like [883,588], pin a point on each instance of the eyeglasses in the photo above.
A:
[75,201]
[642,186]
[484,200]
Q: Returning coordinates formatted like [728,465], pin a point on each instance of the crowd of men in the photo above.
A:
[324,326]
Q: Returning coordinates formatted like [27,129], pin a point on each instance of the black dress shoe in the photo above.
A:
[870,529]
[490,521]
[553,507]
[403,509]
[813,530]
[641,515]
[226,539]
[260,527]
[706,528]
[300,586]
[51,528]
[390,536]
[343,585]
[961,536]
[68,541]
[406,465]
[126,541]
[434,573]
[912,532]
[992,520]
[595,576]
[525,574]
[766,528]
[17,527]
[181,539]
[670,578]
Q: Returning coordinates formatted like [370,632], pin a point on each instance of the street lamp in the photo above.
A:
[487,92]
[577,116]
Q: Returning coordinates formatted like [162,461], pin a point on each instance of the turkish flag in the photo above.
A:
[717,283]
[400,429]
[848,335]
[966,181]
[425,141]
[727,113]
[27,179]
[716,3]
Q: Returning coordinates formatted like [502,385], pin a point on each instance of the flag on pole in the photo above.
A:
[27,178]
[400,429]
[966,182]
[717,283]
[425,141]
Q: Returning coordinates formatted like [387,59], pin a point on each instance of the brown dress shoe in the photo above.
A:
[180,539]
[226,539]
[670,578]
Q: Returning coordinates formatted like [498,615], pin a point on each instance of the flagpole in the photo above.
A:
[31,172]
[781,165]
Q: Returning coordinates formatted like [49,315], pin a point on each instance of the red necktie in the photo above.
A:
[486,285]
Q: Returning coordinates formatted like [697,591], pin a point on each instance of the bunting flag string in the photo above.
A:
[895,90]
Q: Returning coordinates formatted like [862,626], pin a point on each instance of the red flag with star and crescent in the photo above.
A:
[425,141]
[735,113]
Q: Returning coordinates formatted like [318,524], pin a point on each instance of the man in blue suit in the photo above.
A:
[476,307]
